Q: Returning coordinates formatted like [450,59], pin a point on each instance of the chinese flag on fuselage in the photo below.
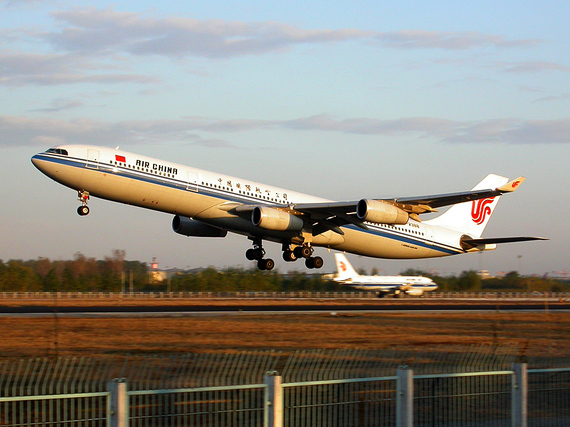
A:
[120,158]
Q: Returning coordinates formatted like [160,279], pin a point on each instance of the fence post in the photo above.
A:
[274,400]
[519,415]
[119,403]
[405,397]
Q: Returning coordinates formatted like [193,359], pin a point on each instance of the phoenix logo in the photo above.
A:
[342,266]
[481,209]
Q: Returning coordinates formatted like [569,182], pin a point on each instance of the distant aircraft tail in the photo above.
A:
[472,217]
[344,268]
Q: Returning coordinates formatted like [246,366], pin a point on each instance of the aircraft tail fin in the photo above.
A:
[345,271]
[472,217]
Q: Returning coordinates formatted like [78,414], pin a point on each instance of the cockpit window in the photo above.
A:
[58,151]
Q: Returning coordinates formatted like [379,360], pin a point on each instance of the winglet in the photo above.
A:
[511,186]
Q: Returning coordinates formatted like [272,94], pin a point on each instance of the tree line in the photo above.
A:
[116,274]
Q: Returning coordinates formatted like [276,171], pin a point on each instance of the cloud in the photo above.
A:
[419,39]
[540,131]
[17,3]
[214,143]
[535,66]
[97,30]
[369,126]
[511,131]
[514,131]
[18,131]
[551,98]
[91,45]
[20,68]
[59,104]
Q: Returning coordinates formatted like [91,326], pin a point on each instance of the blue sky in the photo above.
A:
[344,101]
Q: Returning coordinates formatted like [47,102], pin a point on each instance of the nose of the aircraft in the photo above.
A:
[37,161]
[42,164]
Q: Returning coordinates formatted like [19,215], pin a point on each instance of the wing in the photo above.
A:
[431,203]
[331,216]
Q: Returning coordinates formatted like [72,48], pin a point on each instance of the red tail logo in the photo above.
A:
[480,209]
[342,266]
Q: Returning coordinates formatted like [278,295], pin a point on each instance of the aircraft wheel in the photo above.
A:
[303,251]
[289,256]
[318,262]
[306,252]
[265,264]
[83,210]
[310,263]
[258,253]
[269,264]
[254,254]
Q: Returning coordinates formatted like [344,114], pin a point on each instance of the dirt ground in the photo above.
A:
[535,333]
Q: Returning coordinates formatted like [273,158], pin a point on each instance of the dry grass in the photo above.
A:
[537,332]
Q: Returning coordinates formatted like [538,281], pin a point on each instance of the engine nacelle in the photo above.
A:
[414,292]
[189,227]
[380,212]
[276,220]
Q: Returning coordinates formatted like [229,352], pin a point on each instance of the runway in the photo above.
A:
[157,310]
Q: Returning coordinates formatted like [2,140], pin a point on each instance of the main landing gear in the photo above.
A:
[289,255]
[83,197]
[304,251]
[257,253]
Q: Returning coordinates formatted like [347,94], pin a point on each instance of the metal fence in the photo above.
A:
[550,296]
[452,386]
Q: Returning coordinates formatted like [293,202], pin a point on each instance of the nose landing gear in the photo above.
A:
[83,197]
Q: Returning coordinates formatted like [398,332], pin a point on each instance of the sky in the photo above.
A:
[342,100]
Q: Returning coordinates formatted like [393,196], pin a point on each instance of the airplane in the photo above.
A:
[385,285]
[210,204]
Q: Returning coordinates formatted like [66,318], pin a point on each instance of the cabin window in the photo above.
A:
[58,151]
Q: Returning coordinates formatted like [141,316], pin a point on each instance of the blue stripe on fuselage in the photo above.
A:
[401,237]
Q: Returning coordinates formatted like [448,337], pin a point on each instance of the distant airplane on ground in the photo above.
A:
[385,285]
[209,204]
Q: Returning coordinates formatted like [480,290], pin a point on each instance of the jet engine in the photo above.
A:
[276,220]
[414,292]
[380,212]
[189,227]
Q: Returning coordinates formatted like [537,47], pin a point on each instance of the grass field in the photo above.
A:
[545,334]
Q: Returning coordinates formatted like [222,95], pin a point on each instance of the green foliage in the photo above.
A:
[16,275]
[253,280]
[114,274]
[78,275]
[51,282]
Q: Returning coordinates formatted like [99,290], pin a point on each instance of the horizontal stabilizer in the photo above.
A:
[497,240]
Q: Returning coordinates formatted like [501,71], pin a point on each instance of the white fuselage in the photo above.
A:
[211,198]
